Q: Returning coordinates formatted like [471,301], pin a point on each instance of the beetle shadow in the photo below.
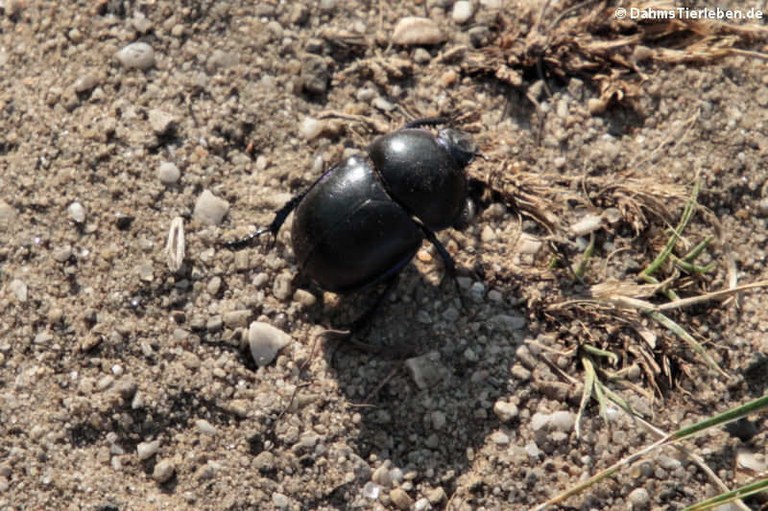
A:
[432,429]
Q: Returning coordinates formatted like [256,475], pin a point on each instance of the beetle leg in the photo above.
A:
[426,121]
[448,262]
[450,265]
[273,228]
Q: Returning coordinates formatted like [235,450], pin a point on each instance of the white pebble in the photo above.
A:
[540,421]
[500,438]
[371,490]
[415,31]
[562,421]
[136,56]
[19,290]
[505,411]
[210,209]
[586,225]
[76,212]
[205,427]
[146,450]
[265,341]
[462,11]
[168,173]
[311,128]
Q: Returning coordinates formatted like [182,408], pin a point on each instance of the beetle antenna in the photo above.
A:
[246,240]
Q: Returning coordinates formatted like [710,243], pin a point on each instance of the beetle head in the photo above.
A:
[459,145]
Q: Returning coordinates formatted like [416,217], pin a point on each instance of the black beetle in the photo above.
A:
[364,219]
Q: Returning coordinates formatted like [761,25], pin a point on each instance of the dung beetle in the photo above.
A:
[364,219]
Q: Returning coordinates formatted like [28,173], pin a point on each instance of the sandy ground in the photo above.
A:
[123,385]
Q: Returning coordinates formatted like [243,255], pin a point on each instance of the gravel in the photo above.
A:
[251,102]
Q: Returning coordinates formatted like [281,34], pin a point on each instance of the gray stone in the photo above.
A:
[426,370]
[163,471]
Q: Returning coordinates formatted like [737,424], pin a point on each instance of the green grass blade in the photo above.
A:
[730,496]
[731,415]
[690,207]
[685,336]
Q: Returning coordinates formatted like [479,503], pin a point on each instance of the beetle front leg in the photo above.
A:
[273,228]
[448,262]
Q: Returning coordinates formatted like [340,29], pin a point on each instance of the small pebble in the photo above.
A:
[265,341]
[137,55]
[236,318]
[146,450]
[214,286]
[311,128]
[510,322]
[371,490]
[282,288]
[210,209]
[415,31]
[168,173]
[381,476]
[161,122]
[264,462]
[19,290]
[382,104]
[314,75]
[451,314]
[586,225]
[304,297]
[540,421]
[86,82]
[422,504]
[487,234]
[426,370]
[437,495]
[462,11]
[500,438]
[505,411]
[421,56]
[562,420]
[280,501]
[762,208]
[751,461]
[401,499]
[62,254]
[205,427]
[163,471]
[76,212]
[438,419]
[639,498]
